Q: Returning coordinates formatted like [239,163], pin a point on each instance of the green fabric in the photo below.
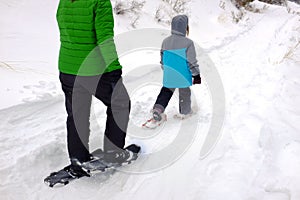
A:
[86,35]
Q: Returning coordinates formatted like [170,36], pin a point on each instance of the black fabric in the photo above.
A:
[78,91]
[163,98]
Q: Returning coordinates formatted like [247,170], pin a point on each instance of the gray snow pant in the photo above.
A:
[165,96]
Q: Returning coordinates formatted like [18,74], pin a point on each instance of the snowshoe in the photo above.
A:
[155,121]
[112,159]
[183,116]
[65,175]
[95,164]
[100,161]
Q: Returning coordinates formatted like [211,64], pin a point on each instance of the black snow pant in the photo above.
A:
[110,90]
[165,95]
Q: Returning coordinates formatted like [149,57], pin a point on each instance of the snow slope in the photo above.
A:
[256,158]
[29,39]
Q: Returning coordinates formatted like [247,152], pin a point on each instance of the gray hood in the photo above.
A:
[179,25]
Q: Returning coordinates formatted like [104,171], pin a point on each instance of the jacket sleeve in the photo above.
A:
[104,27]
[161,57]
[192,60]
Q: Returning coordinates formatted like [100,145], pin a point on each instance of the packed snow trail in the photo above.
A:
[33,138]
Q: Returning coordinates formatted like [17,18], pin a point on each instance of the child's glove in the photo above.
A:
[197,79]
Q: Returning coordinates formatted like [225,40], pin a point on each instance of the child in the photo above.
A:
[179,64]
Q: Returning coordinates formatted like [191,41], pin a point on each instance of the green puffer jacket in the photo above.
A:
[86,35]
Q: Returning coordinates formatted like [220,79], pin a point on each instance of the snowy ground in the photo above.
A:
[257,157]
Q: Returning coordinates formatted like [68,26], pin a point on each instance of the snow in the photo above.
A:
[256,157]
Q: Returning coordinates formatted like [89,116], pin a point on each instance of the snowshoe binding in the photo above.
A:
[113,159]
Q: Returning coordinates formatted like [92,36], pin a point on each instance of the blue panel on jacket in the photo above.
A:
[176,70]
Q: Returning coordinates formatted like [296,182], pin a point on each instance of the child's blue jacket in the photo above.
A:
[178,56]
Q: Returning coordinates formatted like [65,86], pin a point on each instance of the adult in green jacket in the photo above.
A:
[88,65]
